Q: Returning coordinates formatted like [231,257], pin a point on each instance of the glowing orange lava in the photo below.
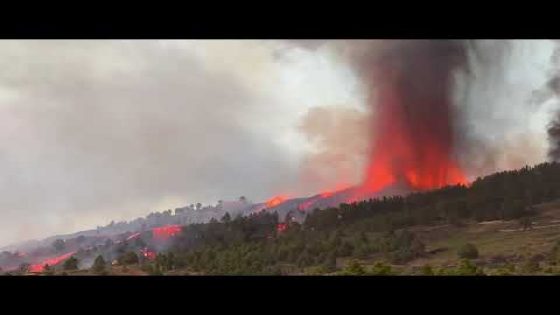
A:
[50,261]
[281,227]
[163,233]
[338,188]
[326,194]
[276,200]
[148,254]
[413,125]
[307,204]
[413,118]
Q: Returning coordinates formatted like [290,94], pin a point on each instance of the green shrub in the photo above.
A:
[381,269]
[354,268]
[531,265]
[99,264]
[316,270]
[427,270]
[467,268]
[468,251]
[71,264]
[506,270]
[128,258]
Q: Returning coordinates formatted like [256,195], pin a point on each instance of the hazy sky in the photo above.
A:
[94,131]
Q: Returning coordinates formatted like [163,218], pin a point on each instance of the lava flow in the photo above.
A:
[281,227]
[163,233]
[274,201]
[148,254]
[50,261]
[309,203]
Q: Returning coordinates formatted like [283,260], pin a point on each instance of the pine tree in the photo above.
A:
[99,264]
[71,264]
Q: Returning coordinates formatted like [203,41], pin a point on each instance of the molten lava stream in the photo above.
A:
[148,254]
[50,261]
[275,201]
[163,233]
[307,204]
[281,227]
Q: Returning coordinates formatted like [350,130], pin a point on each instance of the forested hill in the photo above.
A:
[375,228]
[504,223]
[503,195]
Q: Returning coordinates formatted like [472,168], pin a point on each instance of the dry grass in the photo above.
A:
[492,238]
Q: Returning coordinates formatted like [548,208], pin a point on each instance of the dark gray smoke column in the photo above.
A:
[554,127]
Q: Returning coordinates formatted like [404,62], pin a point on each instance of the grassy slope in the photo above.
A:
[492,238]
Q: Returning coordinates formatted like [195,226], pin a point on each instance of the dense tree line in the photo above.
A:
[334,240]
[376,227]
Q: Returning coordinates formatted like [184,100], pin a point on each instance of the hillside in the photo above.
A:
[501,245]
[510,220]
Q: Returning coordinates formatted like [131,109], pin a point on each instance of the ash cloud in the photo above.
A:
[505,117]
[414,121]
[99,131]
[499,109]
[338,135]
[553,89]
[408,87]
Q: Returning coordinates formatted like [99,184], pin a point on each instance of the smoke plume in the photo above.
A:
[553,85]
[451,108]
[340,147]
[94,131]
[413,117]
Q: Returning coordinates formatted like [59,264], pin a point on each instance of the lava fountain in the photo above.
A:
[413,118]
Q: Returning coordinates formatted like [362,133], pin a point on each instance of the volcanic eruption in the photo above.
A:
[410,87]
[413,118]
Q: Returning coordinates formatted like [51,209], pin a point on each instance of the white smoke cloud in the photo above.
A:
[504,125]
[94,131]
